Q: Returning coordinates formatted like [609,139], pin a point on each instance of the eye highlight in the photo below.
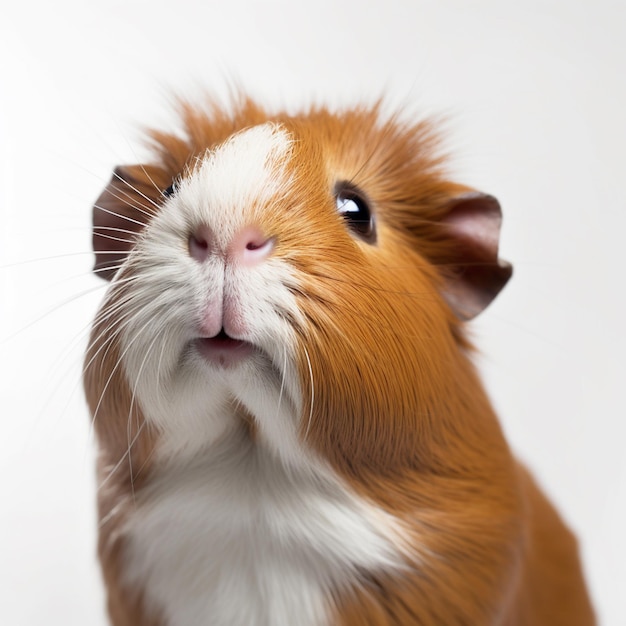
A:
[355,209]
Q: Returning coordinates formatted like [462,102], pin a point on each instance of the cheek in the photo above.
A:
[370,362]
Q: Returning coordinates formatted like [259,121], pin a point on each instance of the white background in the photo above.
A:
[535,92]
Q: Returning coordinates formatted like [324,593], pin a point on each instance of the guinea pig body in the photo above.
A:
[290,427]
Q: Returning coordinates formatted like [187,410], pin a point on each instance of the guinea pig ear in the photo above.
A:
[476,274]
[121,211]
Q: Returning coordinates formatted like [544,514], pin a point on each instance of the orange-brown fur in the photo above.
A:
[399,411]
[119,474]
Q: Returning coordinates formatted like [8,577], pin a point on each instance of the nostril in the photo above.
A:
[200,243]
[250,246]
[253,245]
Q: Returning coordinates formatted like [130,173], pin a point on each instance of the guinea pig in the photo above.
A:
[290,428]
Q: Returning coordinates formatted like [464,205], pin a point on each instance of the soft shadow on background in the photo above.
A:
[535,98]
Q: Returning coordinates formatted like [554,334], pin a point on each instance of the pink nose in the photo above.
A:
[249,246]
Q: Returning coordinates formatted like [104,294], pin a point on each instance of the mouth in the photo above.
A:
[223,350]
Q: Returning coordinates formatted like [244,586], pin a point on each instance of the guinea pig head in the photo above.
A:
[312,272]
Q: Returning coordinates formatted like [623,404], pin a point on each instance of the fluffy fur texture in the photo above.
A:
[348,469]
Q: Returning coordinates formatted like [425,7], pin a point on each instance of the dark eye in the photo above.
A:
[356,211]
[170,191]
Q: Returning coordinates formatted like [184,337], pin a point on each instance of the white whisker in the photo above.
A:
[124,217]
[143,169]
[115,368]
[282,382]
[158,371]
[111,473]
[50,311]
[156,187]
[312,392]
[104,520]
[118,230]
[132,405]
[52,257]
[131,241]
[147,209]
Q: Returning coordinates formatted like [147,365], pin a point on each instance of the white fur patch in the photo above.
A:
[236,539]
[179,392]
[231,183]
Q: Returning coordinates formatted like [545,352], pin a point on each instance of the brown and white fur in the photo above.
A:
[291,431]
